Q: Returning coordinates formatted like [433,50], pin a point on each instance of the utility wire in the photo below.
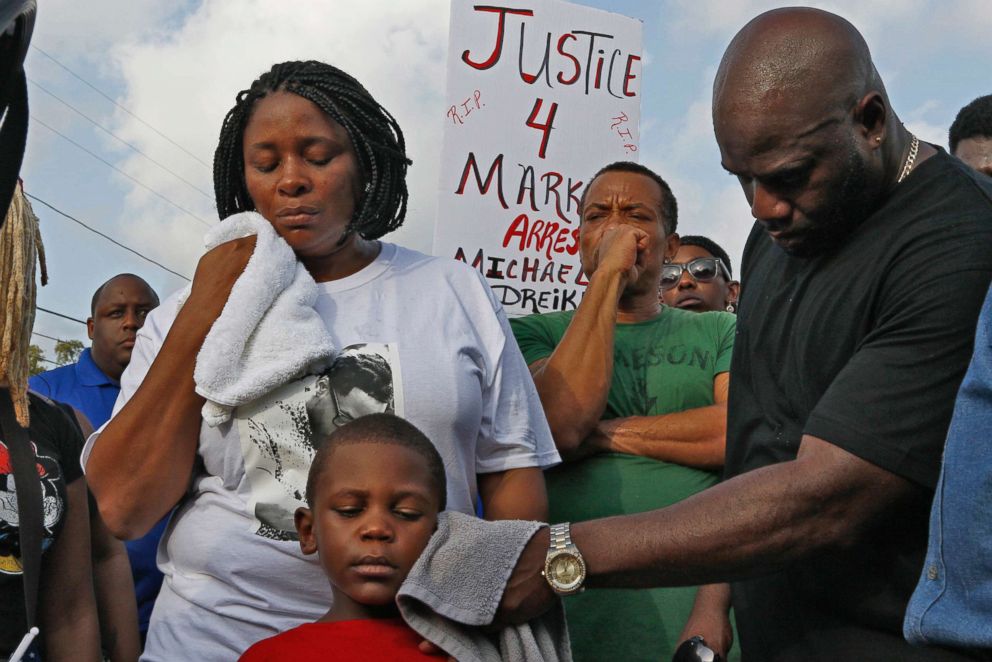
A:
[52,312]
[115,168]
[58,340]
[107,237]
[119,139]
[111,100]
[42,335]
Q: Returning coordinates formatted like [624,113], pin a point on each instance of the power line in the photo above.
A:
[107,237]
[111,100]
[115,168]
[52,312]
[42,335]
[118,138]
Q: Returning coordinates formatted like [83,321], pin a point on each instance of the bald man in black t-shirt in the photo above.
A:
[863,278]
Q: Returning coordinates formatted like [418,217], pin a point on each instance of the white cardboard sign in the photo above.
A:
[540,95]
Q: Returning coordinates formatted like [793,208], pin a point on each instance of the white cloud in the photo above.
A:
[75,29]
[920,121]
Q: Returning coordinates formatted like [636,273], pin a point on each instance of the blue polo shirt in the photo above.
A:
[84,386]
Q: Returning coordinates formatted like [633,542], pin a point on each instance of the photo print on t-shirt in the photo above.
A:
[281,431]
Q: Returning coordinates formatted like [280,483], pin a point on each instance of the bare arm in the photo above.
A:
[694,437]
[575,380]
[116,607]
[142,463]
[67,608]
[115,598]
[825,499]
[710,618]
[514,494]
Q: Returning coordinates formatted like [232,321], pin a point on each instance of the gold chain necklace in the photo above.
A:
[910,160]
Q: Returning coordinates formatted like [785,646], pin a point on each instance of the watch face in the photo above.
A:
[566,570]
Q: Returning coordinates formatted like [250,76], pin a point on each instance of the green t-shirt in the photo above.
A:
[660,366]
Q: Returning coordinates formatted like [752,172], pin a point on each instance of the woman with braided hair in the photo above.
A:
[308,148]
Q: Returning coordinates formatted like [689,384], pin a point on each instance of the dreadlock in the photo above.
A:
[374,133]
[20,246]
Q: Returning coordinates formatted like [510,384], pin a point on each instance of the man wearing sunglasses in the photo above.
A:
[635,396]
[845,369]
[699,278]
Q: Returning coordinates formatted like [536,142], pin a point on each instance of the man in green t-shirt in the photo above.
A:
[636,398]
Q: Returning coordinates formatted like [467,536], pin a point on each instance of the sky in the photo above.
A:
[127,99]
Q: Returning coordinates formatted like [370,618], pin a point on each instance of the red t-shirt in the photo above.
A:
[371,640]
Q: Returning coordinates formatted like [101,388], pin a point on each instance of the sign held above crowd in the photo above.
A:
[540,95]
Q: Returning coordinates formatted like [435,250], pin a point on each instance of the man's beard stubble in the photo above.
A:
[854,200]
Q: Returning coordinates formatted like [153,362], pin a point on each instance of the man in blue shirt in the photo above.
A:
[91,385]
[952,604]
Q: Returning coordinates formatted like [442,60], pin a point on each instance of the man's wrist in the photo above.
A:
[564,567]
[608,274]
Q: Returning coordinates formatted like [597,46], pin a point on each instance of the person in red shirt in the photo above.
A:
[371,512]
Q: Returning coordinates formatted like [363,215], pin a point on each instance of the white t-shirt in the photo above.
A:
[425,338]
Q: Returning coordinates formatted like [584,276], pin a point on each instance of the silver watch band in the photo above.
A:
[561,536]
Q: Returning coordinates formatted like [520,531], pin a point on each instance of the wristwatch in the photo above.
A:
[564,568]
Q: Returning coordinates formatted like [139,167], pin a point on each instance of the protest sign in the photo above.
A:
[540,95]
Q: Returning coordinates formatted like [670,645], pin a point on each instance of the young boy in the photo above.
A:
[374,492]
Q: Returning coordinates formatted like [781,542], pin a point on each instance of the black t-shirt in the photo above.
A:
[865,348]
[58,444]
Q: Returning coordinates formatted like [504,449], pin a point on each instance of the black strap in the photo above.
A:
[29,503]
[13,136]
[13,98]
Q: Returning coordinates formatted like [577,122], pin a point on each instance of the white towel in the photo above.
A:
[268,333]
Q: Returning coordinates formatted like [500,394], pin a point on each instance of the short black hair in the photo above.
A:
[369,372]
[380,429]
[710,247]
[975,119]
[99,290]
[669,207]
[375,134]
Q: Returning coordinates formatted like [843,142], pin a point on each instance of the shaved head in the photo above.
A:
[803,120]
[807,54]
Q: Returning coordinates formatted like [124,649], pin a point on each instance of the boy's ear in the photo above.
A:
[303,519]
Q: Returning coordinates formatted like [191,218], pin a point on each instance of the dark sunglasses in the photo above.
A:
[702,270]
